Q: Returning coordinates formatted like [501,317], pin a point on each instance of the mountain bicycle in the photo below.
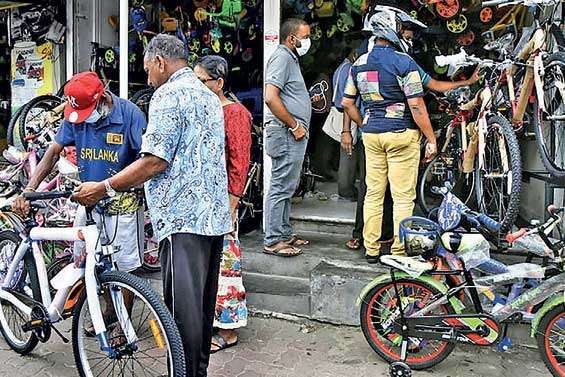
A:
[413,318]
[130,332]
[537,71]
[489,147]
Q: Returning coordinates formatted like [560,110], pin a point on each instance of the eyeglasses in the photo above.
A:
[204,81]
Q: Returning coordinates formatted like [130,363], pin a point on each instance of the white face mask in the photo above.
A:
[94,117]
[304,47]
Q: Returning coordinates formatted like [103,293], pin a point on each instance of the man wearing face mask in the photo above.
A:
[106,131]
[287,119]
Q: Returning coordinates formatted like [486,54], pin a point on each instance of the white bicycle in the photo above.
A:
[120,326]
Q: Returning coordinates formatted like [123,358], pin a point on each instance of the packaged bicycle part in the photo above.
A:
[492,266]
[515,272]
[533,244]
[413,266]
[474,250]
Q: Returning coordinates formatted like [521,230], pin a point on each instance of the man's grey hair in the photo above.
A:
[166,46]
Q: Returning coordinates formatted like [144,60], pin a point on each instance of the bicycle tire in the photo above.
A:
[27,346]
[365,313]
[12,124]
[12,236]
[27,108]
[423,193]
[543,337]
[137,96]
[135,284]
[547,157]
[506,216]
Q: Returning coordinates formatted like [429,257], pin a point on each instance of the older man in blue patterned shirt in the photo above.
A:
[184,166]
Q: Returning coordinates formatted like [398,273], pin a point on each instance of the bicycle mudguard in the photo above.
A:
[385,278]
[555,300]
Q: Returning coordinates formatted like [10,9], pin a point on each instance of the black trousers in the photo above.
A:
[387,230]
[190,266]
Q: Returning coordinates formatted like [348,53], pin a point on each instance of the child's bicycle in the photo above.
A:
[414,316]
[130,330]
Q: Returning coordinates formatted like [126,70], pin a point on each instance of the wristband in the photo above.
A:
[345,132]
[29,189]
[295,128]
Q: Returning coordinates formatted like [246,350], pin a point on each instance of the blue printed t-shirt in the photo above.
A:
[107,147]
[385,79]
[186,129]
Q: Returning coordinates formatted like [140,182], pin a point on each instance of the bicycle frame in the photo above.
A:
[90,235]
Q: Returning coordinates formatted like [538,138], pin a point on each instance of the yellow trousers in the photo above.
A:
[392,157]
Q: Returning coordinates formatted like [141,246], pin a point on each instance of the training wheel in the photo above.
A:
[399,369]
[486,15]
[457,25]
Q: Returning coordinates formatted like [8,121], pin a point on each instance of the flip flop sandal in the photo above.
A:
[297,241]
[353,244]
[221,343]
[282,251]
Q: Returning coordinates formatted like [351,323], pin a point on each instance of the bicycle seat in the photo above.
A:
[413,266]
[13,155]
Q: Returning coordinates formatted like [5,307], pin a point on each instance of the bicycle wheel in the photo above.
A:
[13,125]
[551,340]
[380,308]
[33,115]
[150,262]
[443,168]
[12,318]
[9,242]
[550,131]
[158,350]
[498,181]
[142,98]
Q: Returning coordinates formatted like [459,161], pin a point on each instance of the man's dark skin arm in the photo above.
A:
[48,162]
[352,111]
[276,105]
[148,166]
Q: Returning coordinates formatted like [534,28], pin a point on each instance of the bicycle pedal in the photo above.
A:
[32,325]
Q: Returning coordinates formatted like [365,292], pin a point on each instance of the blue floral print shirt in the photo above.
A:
[186,129]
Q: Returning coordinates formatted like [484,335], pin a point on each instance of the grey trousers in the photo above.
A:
[287,156]
[190,265]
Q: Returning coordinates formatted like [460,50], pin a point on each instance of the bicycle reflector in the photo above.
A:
[420,236]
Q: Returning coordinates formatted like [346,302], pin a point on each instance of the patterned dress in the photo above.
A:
[231,307]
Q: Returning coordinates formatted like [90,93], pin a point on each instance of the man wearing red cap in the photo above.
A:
[106,131]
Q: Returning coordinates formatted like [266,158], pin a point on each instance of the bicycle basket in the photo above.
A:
[420,236]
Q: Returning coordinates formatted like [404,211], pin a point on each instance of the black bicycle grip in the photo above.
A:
[34,196]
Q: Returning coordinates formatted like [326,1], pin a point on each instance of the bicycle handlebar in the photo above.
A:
[34,196]
[504,3]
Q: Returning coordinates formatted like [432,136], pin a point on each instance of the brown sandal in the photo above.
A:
[282,250]
[354,244]
[297,241]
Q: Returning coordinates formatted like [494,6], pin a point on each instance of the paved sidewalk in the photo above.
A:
[277,348]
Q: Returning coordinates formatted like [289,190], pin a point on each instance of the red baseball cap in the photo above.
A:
[83,92]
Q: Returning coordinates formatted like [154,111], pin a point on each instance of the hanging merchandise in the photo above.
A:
[457,25]
[33,23]
[325,10]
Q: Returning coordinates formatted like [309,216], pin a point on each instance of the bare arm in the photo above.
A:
[45,166]
[89,193]
[138,172]
[351,110]
[420,115]
[446,86]
[275,104]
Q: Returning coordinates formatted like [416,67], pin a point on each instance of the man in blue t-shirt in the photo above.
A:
[390,87]
[106,131]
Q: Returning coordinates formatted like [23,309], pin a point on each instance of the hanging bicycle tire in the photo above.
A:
[549,129]
[33,112]
[13,125]
[142,98]
[498,181]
